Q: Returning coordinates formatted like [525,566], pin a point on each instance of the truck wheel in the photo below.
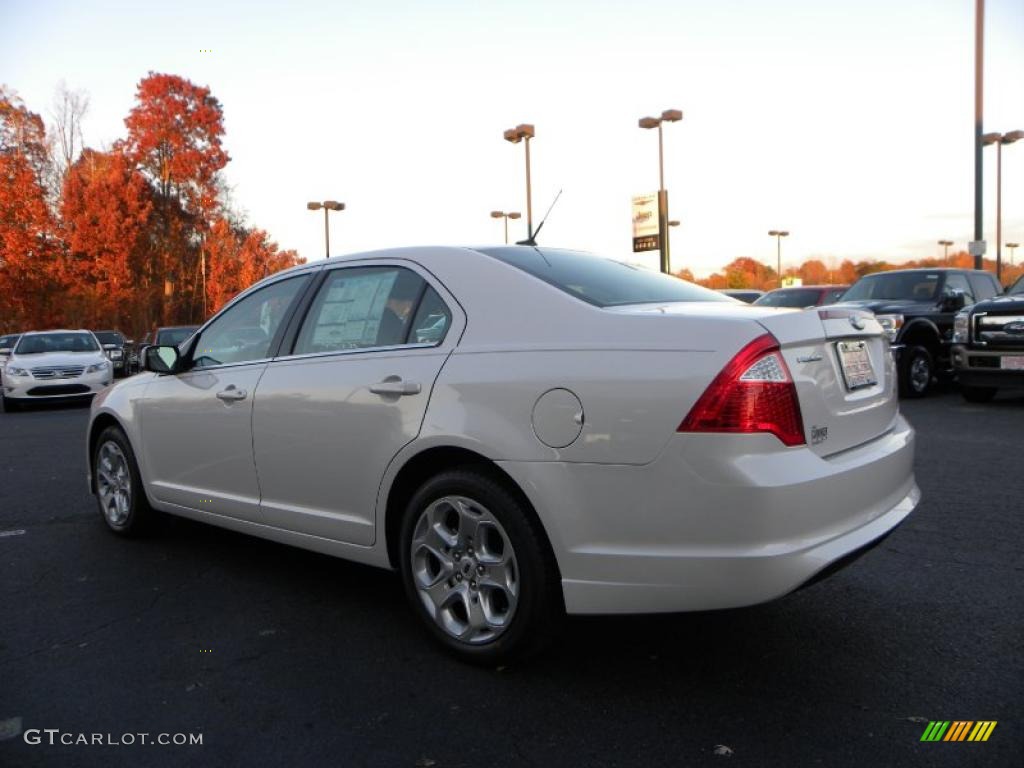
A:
[977,394]
[915,373]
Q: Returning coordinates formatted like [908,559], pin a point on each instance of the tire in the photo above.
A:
[120,497]
[461,526]
[977,394]
[917,368]
[10,406]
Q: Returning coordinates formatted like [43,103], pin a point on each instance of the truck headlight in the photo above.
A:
[98,367]
[961,326]
[891,324]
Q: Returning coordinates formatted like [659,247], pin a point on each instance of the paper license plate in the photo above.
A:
[1013,363]
[857,370]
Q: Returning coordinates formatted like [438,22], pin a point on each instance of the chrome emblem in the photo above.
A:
[1014,327]
[809,358]
[857,322]
[818,434]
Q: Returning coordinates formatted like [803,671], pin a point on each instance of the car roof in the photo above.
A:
[57,330]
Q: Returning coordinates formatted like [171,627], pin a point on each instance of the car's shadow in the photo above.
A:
[794,645]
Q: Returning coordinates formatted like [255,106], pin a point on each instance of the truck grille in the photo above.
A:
[58,371]
[999,330]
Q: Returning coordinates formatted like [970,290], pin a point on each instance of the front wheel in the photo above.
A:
[977,394]
[915,372]
[478,569]
[119,493]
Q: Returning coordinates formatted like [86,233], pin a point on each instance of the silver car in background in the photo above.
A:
[520,432]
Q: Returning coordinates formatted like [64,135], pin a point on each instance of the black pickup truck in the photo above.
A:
[988,345]
[916,307]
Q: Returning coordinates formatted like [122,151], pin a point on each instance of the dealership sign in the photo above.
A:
[645,223]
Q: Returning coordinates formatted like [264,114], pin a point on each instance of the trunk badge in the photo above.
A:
[809,358]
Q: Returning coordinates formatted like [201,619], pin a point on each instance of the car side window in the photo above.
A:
[245,331]
[957,282]
[366,307]
[984,286]
[432,320]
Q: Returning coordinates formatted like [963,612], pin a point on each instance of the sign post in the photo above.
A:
[646,223]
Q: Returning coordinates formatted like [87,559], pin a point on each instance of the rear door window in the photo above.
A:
[984,286]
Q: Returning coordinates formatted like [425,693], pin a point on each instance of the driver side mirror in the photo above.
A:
[953,301]
[160,359]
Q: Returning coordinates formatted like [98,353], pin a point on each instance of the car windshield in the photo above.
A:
[172,337]
[109,337]
[601,281]
[39,343]
[797,298]
[1017,289]
[913,286]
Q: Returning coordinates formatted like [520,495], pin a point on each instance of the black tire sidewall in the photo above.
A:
[906,364]
[139,513]
[977,394]
[539,606]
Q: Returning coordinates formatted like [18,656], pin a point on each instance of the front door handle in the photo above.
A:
[394,386]
[231,394]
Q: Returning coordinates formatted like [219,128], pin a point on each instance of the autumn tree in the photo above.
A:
[106,210]
[29,250]
[174,139]
[238,257]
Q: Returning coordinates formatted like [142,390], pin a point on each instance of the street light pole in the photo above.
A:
[945,253]
[1012,247]
[979,66]
[327,205]
[999,139]
[672,116]
[524,132]
[778,234]
[506,216]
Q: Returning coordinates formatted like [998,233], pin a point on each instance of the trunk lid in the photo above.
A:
[840,410]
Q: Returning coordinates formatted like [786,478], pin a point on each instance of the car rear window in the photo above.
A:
[601,281]
[797,298]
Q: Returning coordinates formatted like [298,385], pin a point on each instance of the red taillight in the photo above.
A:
[753,393]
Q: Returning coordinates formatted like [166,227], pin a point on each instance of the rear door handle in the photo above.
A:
[232,394]
[393,385]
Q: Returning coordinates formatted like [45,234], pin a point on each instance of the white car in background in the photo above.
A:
[47,365]
[520,432]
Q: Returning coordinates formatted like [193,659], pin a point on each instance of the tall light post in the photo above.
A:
[524,132]
[327,205]
[506,216]
[999,139]
[671,116]
[778,234]
[1012,247]
[979,101]
[945,253]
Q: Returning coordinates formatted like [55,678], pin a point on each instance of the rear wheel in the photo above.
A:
[119,493]
[478,569]
[977,394]
[916,371]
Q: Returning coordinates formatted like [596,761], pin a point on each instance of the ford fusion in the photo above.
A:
[521,433]
[54,364]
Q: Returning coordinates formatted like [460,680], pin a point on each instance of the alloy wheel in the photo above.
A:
[113,483]
[464,569]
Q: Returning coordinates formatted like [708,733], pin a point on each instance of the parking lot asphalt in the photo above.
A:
[282,657]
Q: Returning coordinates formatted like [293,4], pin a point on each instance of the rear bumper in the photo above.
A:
[717,521]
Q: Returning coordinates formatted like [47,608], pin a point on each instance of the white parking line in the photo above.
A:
[12,533]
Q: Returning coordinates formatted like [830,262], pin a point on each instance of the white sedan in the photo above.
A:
[520,432]
[48,365]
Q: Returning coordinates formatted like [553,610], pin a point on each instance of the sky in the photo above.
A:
[848,123]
